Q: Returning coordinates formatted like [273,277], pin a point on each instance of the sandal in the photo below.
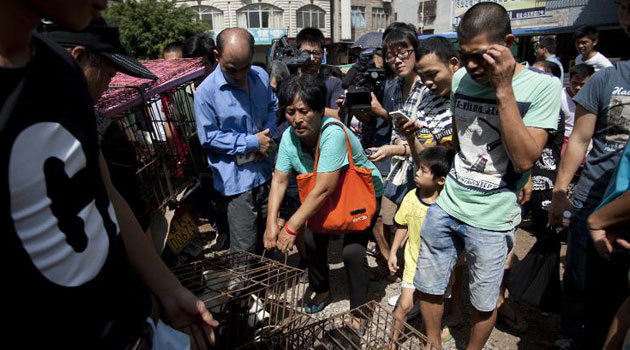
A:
[311,308]
[446,335]
[512,323]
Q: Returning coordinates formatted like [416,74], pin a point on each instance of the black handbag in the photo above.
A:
[536,279]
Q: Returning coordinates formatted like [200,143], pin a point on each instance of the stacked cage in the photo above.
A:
[252,297]
[157,120]
[345,332]
[164,136]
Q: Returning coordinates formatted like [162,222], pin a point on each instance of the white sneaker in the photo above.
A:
[393,300]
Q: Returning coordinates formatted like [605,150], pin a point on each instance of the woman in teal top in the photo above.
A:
[303,100]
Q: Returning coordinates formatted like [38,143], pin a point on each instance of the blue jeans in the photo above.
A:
[572,318]
[442,238]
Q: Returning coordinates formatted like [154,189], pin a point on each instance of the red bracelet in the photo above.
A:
[289,231]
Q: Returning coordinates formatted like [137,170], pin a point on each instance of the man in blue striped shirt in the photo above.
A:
[236,110]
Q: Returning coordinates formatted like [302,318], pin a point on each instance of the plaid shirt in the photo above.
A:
[408,106]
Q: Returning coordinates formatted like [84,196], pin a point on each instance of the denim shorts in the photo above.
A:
[442,238]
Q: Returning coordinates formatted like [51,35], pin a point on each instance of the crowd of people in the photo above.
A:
[456,147]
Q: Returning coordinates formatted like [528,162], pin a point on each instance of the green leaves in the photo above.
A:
[147,26]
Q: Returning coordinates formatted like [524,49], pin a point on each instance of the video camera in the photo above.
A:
[362,79]
[282,51]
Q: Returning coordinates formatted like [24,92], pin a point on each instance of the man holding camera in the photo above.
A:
[312,40]
[236,110]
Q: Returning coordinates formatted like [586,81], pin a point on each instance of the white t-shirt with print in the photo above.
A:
[567,109]
[598,61]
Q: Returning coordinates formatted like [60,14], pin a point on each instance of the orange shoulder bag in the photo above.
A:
[351,206]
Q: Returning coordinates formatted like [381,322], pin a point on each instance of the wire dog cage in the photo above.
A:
[251,296]
[335,333]
[157,119]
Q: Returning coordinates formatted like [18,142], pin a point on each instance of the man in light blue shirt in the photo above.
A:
[546,50]
[236,110]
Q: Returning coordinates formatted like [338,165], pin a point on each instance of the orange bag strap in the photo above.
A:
[348,147]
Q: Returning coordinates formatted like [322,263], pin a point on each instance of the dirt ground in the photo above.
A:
[542,328]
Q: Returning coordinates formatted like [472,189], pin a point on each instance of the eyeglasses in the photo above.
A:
[402,55]
[314,53]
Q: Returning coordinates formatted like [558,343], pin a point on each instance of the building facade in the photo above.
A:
[537,14]
[266,20]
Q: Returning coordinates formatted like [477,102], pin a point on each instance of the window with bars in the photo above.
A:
[380,17]
[426,12]
[310,16]
[259,16]
[357,17]
[211,15]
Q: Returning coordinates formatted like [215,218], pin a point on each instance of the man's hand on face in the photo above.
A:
[502,65]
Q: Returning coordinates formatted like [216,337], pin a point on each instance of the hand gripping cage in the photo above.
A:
[251,296]
[335,333]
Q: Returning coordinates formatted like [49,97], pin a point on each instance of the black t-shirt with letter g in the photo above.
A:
[66,275]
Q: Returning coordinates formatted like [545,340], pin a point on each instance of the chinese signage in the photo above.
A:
[265,36]
[517,9]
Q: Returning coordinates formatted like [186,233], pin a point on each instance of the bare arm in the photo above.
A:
[279,183]
[612,215]
[399,237]
[570,162]
[522,144]
[179,306]
[324,187]
[605,223]
[576,147]
[142,256]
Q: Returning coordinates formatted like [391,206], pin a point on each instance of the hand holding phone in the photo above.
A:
[399,115]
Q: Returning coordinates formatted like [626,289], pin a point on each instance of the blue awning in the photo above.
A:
[528,31]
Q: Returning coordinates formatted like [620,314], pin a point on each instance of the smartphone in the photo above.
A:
[400,115]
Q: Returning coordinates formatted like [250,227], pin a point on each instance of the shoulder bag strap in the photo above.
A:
[348,147]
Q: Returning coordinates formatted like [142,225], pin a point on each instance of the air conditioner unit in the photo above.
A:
[380,30]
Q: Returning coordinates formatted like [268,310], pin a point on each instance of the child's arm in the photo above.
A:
[392,262]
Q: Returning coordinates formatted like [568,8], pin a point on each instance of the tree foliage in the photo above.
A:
[147,26]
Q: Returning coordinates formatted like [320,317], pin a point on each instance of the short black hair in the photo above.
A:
[221,43]
[174,46]
[438,159]
[279,70]
[308,88]
[397,25]
[438,45]
[400,34]
[581,71]
[333,71]
[549,43]
[310,35]
[589,31]
[485,17]
[200,45]
[550,67]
